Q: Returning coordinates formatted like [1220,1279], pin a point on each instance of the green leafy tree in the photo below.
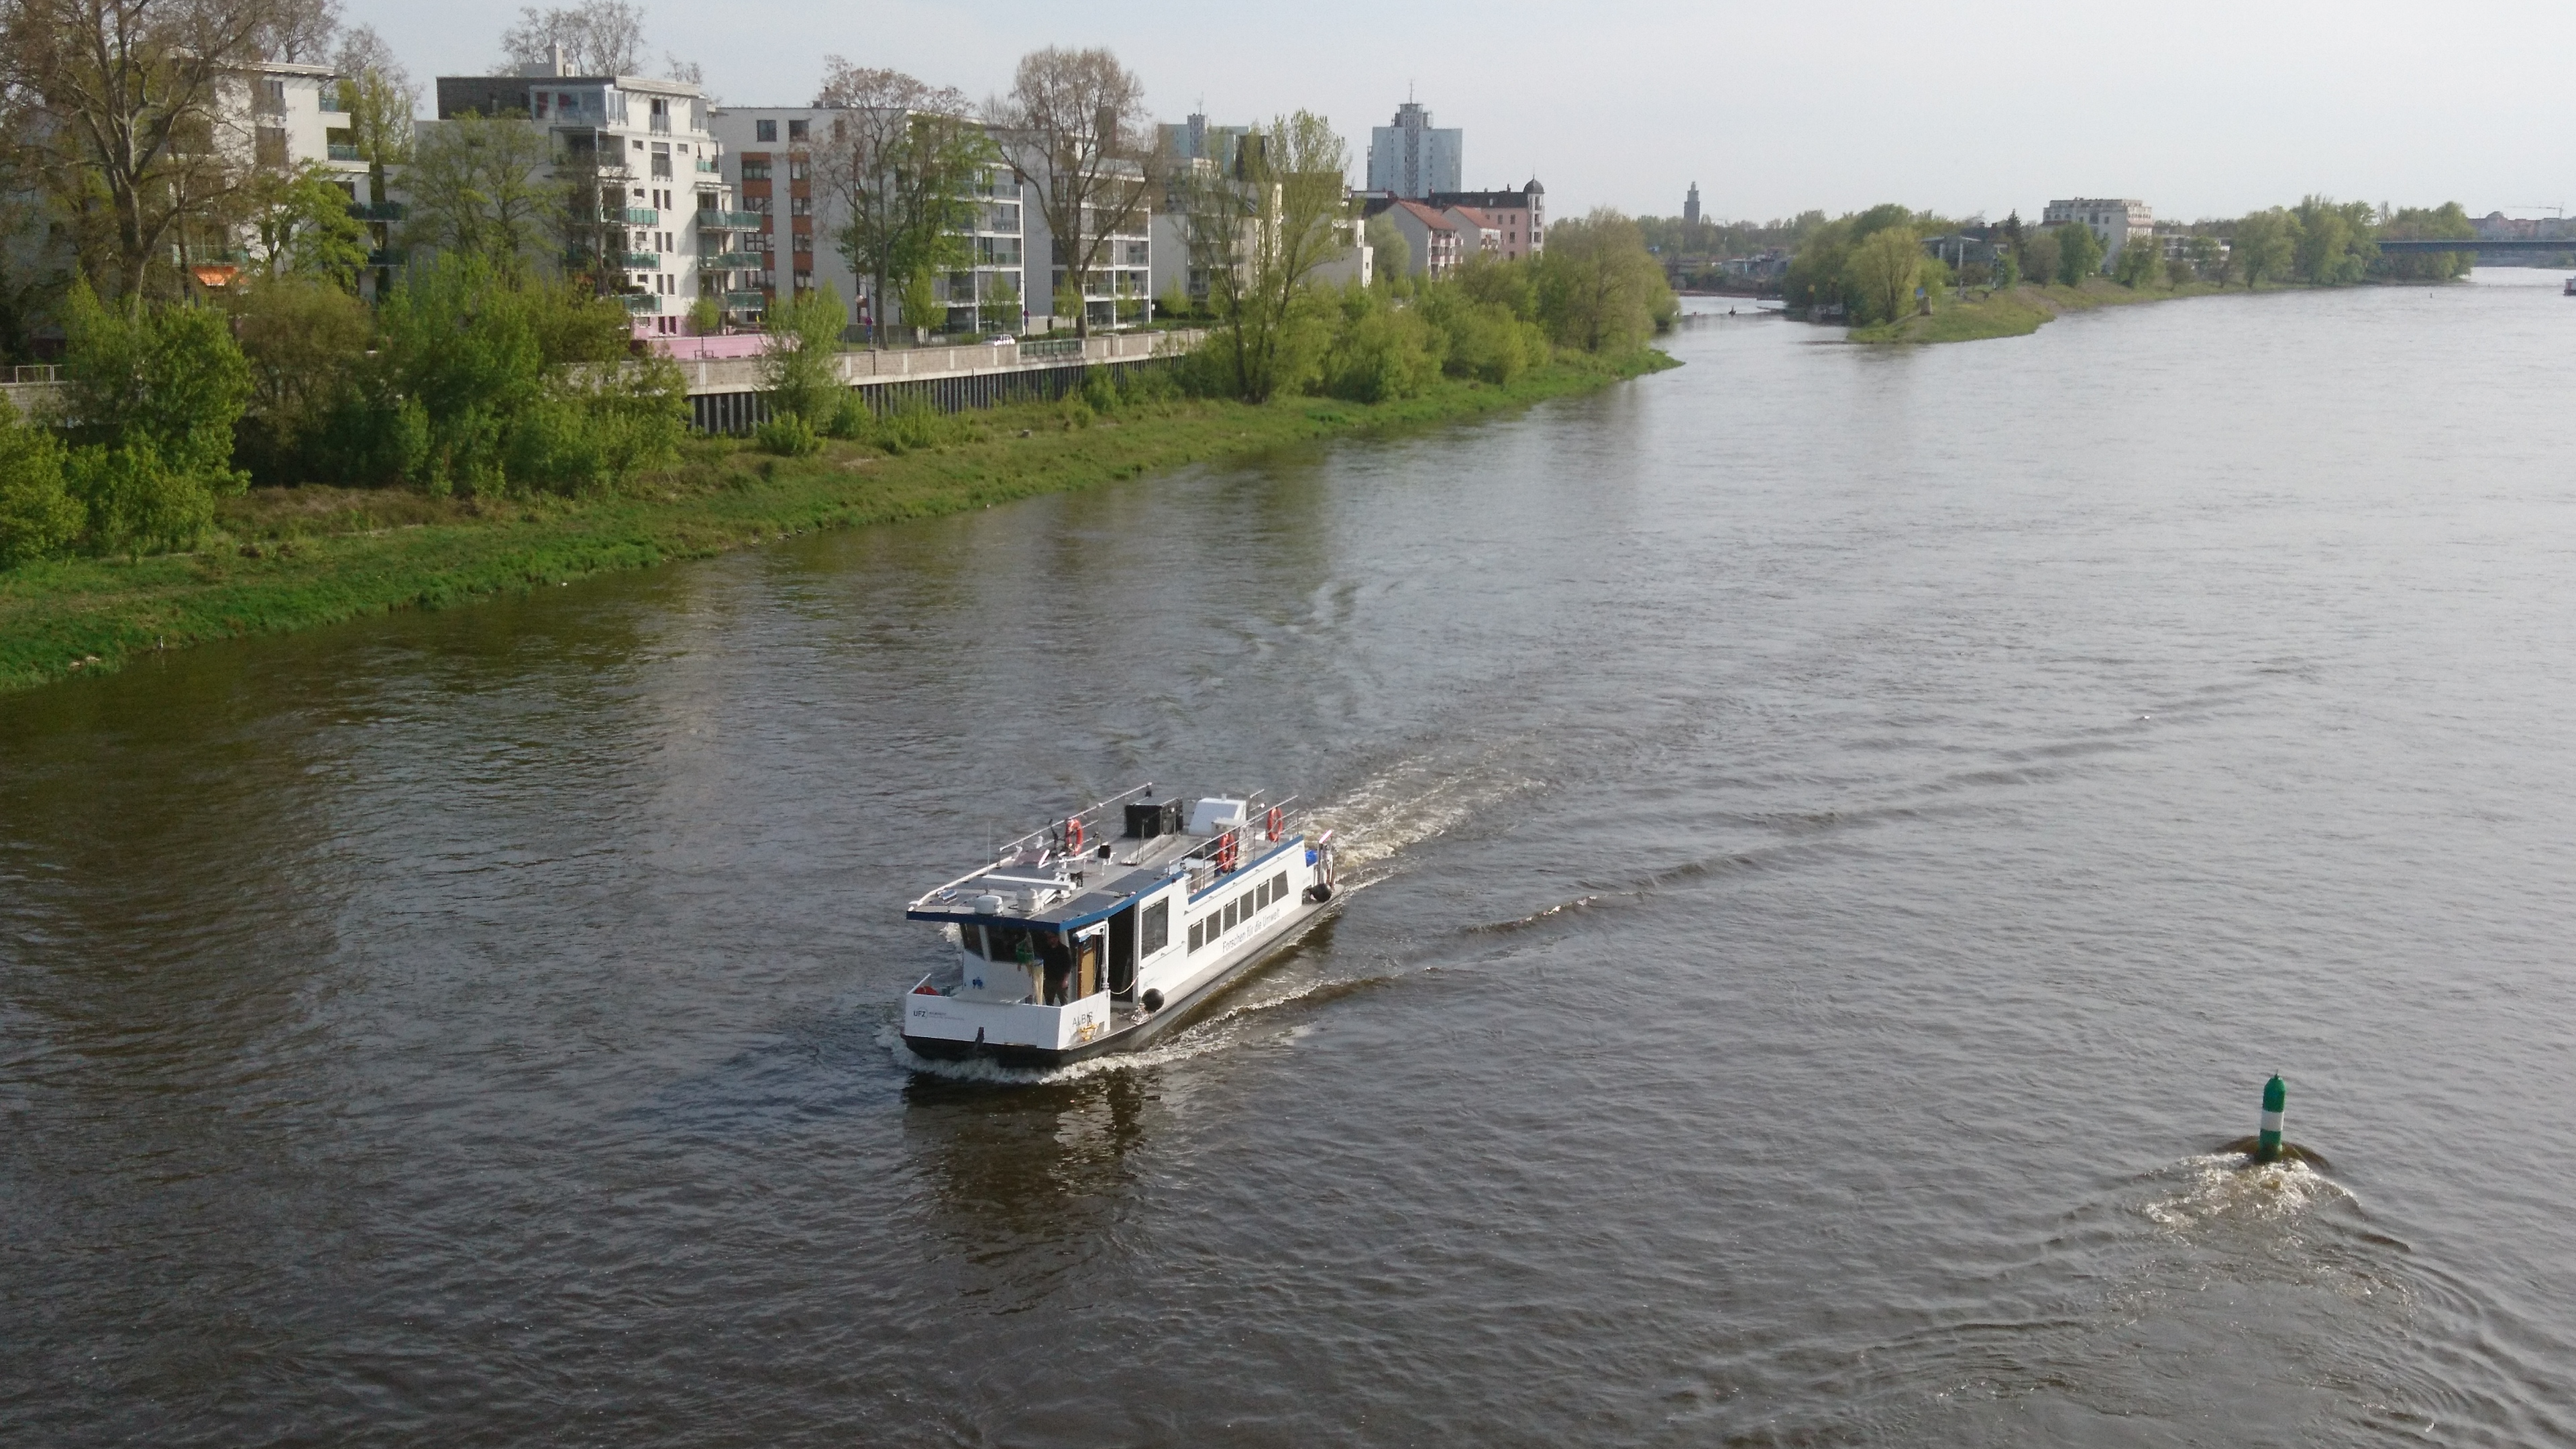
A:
[904,173]
[1379,353]
[2334,245]
[478,189]
[801,368]
[1391,259]
[301,226]
[2427,224]
[2079,254]
[916,296]
[306,343]
[1001,310]
[1598,288]
[2141,264]
[39,518]
[2265,245]
[1882,274]
[162,378]
[1259,235]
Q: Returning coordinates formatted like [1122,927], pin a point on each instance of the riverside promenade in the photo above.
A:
[725,391]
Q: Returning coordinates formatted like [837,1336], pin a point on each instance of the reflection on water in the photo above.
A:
[1833,836]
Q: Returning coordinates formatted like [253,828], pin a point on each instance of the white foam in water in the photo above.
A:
[2224,1187]
[1406,804]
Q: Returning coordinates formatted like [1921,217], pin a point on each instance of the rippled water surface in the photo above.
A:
[1846,836]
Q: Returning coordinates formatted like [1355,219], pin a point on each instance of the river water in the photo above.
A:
[1844,837]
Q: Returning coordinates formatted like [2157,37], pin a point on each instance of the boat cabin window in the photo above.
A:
[972,938]
[1198,933]
[1279,886]
[1232,910]
[1003,943]
[1157,928]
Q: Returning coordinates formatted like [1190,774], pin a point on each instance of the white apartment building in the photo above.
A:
[1175,273]
[1412,158]
[664,205]
[2114,223]
[769,156]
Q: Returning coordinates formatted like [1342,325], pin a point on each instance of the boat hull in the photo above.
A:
[1144,1028]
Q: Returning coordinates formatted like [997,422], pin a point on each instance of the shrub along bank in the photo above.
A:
[274,559]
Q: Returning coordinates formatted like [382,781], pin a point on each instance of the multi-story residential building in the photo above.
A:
[654,212]
[1120,286]
[1429,235]
[2114,222]
[1412,159]
[1519,218]
[770,154]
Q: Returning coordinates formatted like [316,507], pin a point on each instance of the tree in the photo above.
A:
[2264,246]
[2334,245]
[120,105]
[165,378]
[1062,125]
[599,37]
[2141,264]
[1391,256]
[801,367]
[2079,254]
[2427,224]
[477,189]
[306,343]
[900,168]
[379,97]
[1882,274]
[1598,288]
[1258,235]
[39,518]
[301,225]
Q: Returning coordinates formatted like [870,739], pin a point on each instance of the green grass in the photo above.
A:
[292,558]
[2018,312]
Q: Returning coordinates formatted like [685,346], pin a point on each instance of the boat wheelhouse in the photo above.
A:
[1101,931]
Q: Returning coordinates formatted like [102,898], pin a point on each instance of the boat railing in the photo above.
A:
[1258,812]
[1049,839]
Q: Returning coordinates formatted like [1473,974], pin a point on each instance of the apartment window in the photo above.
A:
[755,168]
[800,206]
[270,145]
[795,131]
[798,169]
[761,204]
[764,131]
[273,99]
[805,247]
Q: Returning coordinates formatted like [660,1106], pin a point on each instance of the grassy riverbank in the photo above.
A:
[2019,311]
[292,558]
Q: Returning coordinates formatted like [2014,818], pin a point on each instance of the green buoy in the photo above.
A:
[2267,1143]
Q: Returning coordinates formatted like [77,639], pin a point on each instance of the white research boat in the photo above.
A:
[1077,942]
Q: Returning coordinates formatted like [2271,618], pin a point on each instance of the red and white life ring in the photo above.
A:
[1225,853]
[1073,836]
[1274,822]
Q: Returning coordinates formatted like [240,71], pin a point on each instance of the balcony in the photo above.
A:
[643,303]
[637,261]
[746,301]
[630,216]
[378,210]
[331,105]
[733,262]
[706,167]
[729,221]
[340,152]
[388,257]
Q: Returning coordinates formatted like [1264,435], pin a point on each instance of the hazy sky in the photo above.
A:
[2201,109]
